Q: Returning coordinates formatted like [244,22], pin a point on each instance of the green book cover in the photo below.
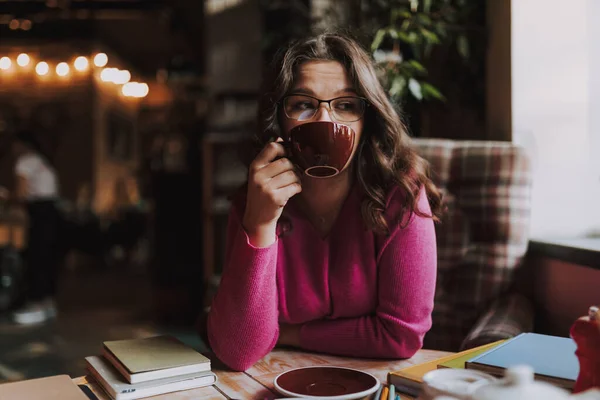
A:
[459,362]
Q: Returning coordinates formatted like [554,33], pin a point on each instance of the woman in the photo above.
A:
[344,265]
[37,188]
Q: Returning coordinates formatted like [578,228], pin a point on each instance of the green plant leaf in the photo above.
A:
[424,19]
[404,37]
[393,33]
[406,70]
[427,6]
[430,91]
[405,14]
[400,13]
[398,86]
[405,24]
[415,89]
[430,36]
[462,45]
[379,36]
[418,66]
[440,29]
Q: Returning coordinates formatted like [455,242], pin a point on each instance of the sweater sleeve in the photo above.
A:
[243,319]
[406,286]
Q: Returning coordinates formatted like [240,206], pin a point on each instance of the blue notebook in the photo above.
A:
[552,358]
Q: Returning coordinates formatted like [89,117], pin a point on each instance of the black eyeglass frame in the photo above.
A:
[364,101]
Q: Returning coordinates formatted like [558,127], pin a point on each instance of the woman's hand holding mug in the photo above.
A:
[272,181]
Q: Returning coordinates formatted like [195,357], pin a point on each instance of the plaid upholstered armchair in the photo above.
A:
[481,241]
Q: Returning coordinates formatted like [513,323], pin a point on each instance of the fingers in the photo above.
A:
[277,167]
[284,179]
[272,186]
[287,192]
[281,196]
[268,154]
[273,176]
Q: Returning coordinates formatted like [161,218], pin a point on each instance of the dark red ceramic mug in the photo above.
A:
[321,149]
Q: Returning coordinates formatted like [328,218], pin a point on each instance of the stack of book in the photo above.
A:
[137,368]
[552,358]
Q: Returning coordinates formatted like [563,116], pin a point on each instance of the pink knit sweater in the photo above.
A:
[354,293]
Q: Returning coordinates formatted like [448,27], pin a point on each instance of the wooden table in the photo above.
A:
[257,382]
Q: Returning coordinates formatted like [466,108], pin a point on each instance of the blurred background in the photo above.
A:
[143,107]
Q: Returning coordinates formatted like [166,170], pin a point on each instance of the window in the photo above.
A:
[555,100]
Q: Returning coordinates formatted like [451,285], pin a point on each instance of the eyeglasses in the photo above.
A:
[343,109]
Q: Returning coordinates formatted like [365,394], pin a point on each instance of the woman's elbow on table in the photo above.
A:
[403,348]
[238,355]
[237,364]
[234,358]
[402,342]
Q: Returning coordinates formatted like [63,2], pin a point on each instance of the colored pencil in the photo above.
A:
[384,393]
[392,394]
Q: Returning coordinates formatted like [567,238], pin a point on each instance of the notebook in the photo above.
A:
[59,387]
[459,361]
[409,380]
[552,358]
[119,389]
[142,360]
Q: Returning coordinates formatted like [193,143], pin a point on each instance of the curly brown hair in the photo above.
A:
[385,156]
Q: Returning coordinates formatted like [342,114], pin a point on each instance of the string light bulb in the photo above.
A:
[26,24]
[135,89]
[81,63]
[23,60]
[128,89]
[143,90]
[62,69]
[42,68]
[5,63]
[109,75]
[100,60]
[122,77]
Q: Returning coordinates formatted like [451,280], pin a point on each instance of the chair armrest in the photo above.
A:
[506,318]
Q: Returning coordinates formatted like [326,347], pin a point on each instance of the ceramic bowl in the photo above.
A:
[326,382]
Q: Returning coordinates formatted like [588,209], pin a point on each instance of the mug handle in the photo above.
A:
[287,144]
